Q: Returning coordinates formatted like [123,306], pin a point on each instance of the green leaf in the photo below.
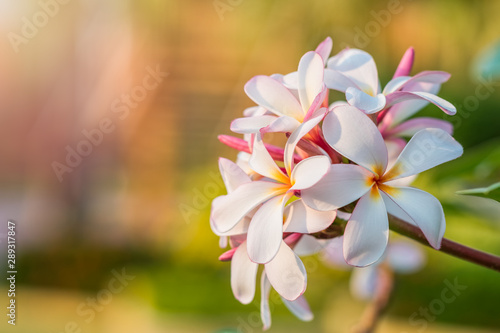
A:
[490,192]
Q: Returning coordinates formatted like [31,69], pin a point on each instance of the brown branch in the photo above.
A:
[447,246]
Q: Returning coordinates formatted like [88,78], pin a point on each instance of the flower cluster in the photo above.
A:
[352,160]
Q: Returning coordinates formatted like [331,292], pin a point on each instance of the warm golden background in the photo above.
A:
[140,200]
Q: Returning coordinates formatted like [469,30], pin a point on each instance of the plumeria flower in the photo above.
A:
[354,72]
[352,134]
[265,231]
[401,257]
[394,124]
[286,109]
[285,273]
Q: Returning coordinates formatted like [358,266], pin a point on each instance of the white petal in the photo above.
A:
[223,242]
[400,96]
[239,229]
[287,273]
[295,137]
[395,84]
[337,81]
[363,101]
[243,275]
[367,232]
[424,209]
[232,175]
[310,78]
[309,171]
[265,312]
[395,210]
[412,126]
[273,96]
[305,220]
[404,110]
[405,257]
[350,132]
[291,80]
[282,124]
[300,308]
[265,232]
[434,77]
[309,245]
[359,67]
[426,149]
[343,184]
[324,49]
[262,162]
[250,125]
[229,209]
[254,111]
[363,282]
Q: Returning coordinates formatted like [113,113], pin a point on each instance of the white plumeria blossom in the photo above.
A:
[285,273]
[283,107]
[354,72]
[265,231]
[351,133]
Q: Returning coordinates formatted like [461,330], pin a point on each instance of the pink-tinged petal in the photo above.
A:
[243,275]
[309,171]
[228,210]
[265,311]
[424,209]
[405,257]
[395,84]
[254,111]
[310,78]
[300,308]
[282,124]
[401,96]
[273,96]
[406,63]
[316,104]
[250,125]
[324,49]
[359,66]
[435,77]
[343,184]
[309,245]
[412,126]
[236,240]
[367,232]
[361,100]
[404,110]
[232,175]
[305,220]
[426,149]
[287,273]
[265,232]
[262,162]
[335,80]
[228,255]
[295,137]
[351,133]
[243,145]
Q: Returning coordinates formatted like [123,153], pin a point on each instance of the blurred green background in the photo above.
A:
[140,200]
